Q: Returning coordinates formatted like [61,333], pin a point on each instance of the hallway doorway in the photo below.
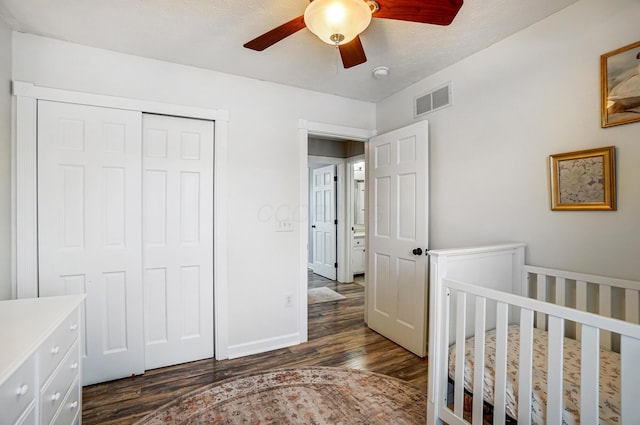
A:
[336,208]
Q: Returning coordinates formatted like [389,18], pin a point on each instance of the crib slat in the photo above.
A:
[630,376]
[604,309]
[478,361]
[461,324]
[554,370]
[500,398]
[560,291]
[589,375]
[443,346]
[561,286]
[581,302]
[631,306]
[525,368]
[541,295]
[581,295]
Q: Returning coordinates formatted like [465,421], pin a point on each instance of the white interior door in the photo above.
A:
[178,239]
[323,221]
[398,236]
[89,236]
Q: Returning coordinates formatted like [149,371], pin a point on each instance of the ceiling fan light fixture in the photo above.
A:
[337,22]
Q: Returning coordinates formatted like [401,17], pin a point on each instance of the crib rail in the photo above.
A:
[615,298]
[591,323]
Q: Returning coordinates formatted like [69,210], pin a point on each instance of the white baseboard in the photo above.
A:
[262,346]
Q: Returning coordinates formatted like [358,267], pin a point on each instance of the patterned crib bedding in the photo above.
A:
[609,376]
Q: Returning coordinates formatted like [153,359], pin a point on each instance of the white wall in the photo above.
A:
[534,94]
[5,161]
[263,157]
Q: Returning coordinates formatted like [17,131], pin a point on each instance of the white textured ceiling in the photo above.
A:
[210,34]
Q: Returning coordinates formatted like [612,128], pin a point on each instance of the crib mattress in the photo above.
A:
[609,376]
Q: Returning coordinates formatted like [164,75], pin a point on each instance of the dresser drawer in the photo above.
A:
[56,346]
[70,407]
[54,392]
[29,418]
[17,392]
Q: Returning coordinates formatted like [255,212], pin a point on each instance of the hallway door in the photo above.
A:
[323,222]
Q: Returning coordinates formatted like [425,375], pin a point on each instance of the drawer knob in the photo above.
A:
[55,350]
[73,327]
[73,405]
[22,390]
[55,397]
[74,365]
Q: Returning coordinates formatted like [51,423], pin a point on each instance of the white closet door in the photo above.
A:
[89,236]
[178,239]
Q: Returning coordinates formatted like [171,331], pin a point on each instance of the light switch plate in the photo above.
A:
[284,225]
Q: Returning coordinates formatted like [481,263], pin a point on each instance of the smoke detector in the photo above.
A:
[380,72]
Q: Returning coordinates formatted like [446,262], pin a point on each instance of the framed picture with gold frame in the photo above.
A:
[583,180]
[620,82]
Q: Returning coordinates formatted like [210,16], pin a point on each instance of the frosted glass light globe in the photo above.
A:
[337,21]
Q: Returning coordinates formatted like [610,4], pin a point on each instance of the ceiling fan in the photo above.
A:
[339,22]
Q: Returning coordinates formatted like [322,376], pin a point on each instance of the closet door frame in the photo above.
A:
[24,270]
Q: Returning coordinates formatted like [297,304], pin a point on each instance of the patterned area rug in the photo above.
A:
[320,395]
[322,294]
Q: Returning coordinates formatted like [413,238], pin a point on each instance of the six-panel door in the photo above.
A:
[398,236]
[178,239]
[323,223]
[89,238]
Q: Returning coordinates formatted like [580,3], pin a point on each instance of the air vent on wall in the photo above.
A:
[432,100]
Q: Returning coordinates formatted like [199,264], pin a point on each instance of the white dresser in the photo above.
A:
[40,361]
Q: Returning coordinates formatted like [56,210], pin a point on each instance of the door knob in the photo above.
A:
[417,251]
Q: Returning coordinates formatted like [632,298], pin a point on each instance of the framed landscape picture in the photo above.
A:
[620,85]
[583,180]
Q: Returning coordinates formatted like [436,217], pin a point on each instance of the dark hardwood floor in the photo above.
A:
[337,337]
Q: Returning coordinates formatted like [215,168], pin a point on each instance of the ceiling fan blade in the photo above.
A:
[277,34]
[437,12]
[352,53]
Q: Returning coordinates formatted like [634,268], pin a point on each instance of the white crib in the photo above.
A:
[488,294]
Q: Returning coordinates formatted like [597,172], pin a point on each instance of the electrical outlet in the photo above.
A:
[288,299]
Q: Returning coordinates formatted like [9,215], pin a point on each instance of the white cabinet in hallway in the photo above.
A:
[358,254]
[125,216]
